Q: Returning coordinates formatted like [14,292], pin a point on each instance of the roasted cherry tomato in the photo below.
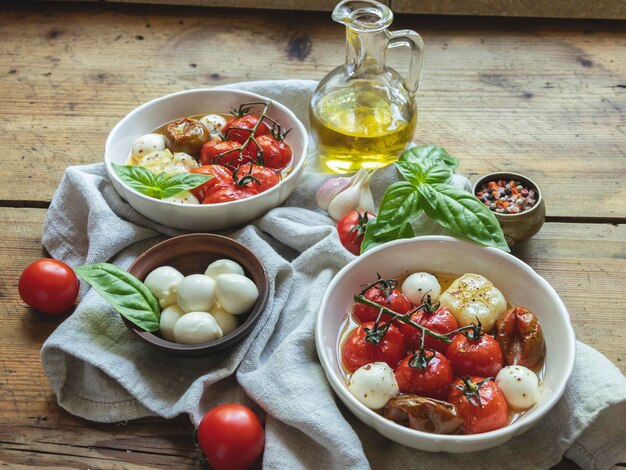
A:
[273,153]
[440,321]
[227,192]
[429,375]
[186,135]
[388,296]
[257,177]
[49,286]
[231,437]
[357,351]
[480,402]
[351,229]
[475,352]
[223,152]
[423,414]
[520,337]
[238,129]
[219,173]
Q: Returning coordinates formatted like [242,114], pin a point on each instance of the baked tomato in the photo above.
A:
[480,402]
[384,293]
[49,286]
[475,352]
[256,177]
[428,374]
[231,437]
[361,348]
[271,152]
[239,129]
[440,321]
[227,192]
[351,229]
[223,152]
[220,175]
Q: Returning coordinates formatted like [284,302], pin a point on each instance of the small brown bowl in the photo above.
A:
[523,225]
[191,254]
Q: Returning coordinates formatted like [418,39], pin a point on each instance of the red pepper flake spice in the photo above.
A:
[507,197]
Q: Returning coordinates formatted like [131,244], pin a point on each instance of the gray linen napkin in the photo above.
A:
[100,372]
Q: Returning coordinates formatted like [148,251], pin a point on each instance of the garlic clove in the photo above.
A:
[331,188]
[357,196]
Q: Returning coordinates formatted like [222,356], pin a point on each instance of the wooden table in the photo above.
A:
[545,98]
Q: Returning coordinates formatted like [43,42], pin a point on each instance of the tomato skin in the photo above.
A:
[231,437]
[276,154]
[246,123]
[227,192]
[481,357]
[223,152]
[357,352]
[396,302]
[220,174]
[350,235]
[493,412]
[441,321]
[267,177]
[48,285]
[433,381]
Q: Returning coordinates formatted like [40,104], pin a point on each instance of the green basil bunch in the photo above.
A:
[427,170]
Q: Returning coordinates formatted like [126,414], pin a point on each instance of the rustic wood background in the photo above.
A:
[542,97]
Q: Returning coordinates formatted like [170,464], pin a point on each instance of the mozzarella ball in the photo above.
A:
[213,122]
[373,385]
[196,327]
[417,285]
[472,296]
[227,321]
[519,385]
[163,283]
[183,197]
[235,293]
[223,266]
[196,293]
[147,144]
[169,317]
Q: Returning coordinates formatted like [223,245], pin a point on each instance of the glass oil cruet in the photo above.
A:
[363,113]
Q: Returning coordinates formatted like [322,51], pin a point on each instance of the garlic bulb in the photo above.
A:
[357,196]
[329,189]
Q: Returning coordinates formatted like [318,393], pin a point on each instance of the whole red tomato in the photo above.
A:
[431,379]
[480,402]
[440,321]
[272,152]
[223,152]
[475,353]
[357,351]
[49,286]
[228,192]
[351,229]
[231,437]
[219,173]
[238,129]
[257,177]
[389,297]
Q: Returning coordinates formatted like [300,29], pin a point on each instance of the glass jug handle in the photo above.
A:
[408,38]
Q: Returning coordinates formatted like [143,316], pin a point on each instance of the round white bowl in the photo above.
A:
[202,217]
[439,254]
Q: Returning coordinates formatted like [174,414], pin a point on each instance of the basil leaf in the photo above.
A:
[139,178]
[430,153]
[424,171]
[461,212]
[400,205]
[126,294]
[182,182]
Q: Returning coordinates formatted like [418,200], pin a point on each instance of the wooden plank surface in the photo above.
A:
[545,98]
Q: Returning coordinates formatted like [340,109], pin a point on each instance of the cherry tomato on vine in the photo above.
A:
[481,356]
[219,173]
[274,153]
[238,129]
[351,229]
[432,381]
[440,321]
[227,192]
[231,437]
[391,298]
[257,177]
[480,402]
[49,286]
[357,351]
[223,152]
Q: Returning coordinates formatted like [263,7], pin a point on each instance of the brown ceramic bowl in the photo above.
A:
[523,225]
[191,254]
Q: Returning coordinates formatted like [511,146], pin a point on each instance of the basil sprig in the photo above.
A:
[427,170]
[126,294]
[158,186]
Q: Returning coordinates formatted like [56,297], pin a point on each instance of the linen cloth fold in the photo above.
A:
[100,372]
